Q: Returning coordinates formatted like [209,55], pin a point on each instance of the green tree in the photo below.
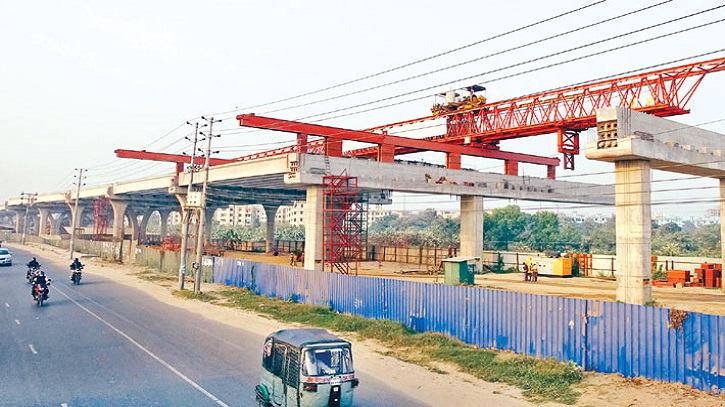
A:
[542,232]
[706,239]
[600,238]
[503,227]
[289,232]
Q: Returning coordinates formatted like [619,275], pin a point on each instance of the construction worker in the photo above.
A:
[527,269]
[534,270]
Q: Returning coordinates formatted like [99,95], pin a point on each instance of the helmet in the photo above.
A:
[33,258]
[41,273]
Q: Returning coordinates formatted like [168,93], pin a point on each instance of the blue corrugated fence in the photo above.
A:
[601,336]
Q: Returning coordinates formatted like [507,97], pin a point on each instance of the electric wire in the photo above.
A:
[179,126]
[525,62]
[478,76]
[498,53]
[417,61]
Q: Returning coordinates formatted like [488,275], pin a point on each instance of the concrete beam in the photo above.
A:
[624,134]
[306,169]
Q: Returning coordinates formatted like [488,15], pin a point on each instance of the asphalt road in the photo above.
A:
[106,344]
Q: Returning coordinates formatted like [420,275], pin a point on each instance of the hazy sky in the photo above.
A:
[79,79]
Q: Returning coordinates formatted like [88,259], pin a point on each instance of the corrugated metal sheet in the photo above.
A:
[601,336]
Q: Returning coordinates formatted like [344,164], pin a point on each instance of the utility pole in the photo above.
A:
[202,206]
[186,219]
[30,200]
[74,221]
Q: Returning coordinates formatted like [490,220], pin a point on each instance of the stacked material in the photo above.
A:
[678,276]
[708,275]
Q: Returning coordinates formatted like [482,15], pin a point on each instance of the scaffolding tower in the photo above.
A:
[101,218]
[342,224]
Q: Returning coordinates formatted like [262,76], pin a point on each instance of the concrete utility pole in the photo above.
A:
[186,219]
[30,200]
[74,221]
[202,206]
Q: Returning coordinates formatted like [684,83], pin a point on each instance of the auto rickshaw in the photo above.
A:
[306,368]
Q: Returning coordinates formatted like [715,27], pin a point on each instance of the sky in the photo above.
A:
[79,79]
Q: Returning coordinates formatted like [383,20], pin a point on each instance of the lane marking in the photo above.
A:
[32,349]
[17,322]
[7,305]
[148,352]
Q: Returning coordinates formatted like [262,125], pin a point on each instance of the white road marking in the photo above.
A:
[148,352]
[7,305]
[17,322]
[32,349]
[63,405]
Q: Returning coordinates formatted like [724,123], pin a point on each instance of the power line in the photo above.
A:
[607,20]
[479,75]
[417,61]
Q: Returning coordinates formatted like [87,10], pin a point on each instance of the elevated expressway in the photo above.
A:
[282,179]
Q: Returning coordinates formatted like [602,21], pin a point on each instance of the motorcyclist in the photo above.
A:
[76,267]
[32,266]
[40,279]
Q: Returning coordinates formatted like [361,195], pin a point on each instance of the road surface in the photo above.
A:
[107,344]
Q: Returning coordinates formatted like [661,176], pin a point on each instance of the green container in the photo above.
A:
[459,270]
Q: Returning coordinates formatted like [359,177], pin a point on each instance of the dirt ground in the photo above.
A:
[695,299]
[435,389]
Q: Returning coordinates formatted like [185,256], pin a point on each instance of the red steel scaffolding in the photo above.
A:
[101,215]
[342,224]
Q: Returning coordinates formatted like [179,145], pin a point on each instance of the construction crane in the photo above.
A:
[465,100]
[565,111]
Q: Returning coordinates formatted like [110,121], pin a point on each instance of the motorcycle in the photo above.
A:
[75,277]
[31,273]
[40,293]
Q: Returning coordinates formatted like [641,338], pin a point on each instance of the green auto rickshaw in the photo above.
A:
[306,368]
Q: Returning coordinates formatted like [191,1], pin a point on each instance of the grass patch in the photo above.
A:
[155,277]
[541,380]
[191,295]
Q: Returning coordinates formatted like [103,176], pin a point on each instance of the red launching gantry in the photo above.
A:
[477,128]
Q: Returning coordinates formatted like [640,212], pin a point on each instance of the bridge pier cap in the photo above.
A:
[624,134]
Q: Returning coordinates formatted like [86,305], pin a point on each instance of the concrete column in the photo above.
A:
[58,225]
[164,226]
[722,224]
[271,212]
[43,222]
[119,212]
[313,227]
[143,225]
[471,234]
[208,222]
[77,223]
[634,231]
[133,222]
[19,220]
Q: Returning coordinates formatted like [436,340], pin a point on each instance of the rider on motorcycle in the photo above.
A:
[32,266]
[42,281]
[76,267]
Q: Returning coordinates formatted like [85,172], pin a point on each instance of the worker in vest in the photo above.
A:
[527,269]
[534,270]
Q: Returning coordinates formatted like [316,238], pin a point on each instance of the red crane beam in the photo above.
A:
[663,93]
[179,159]
[335,135]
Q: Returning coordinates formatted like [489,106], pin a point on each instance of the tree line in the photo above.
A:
[508,229]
